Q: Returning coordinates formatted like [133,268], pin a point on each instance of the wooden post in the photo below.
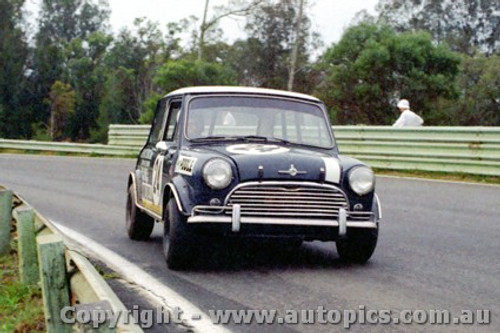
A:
[55,289]
[28,263]
[5,220]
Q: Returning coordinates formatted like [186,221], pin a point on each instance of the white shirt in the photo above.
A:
[408,118]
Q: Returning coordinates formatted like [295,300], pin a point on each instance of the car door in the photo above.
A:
[148,157]
[163,153]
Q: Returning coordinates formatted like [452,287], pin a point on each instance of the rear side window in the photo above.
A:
[173,117]
[156,127]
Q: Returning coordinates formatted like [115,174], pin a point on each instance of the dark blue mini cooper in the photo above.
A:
[249,162]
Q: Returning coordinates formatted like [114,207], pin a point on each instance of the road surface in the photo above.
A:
[439,249]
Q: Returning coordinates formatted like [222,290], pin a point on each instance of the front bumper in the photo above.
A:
[231,215]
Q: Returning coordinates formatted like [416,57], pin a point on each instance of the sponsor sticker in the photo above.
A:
[185,165]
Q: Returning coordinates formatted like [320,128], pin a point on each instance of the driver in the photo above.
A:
[196,125]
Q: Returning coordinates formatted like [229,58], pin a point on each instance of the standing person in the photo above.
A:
[407,117]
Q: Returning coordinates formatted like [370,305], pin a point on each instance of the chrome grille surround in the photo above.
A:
[288,200]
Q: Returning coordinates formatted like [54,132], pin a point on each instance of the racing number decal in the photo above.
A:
[157,179]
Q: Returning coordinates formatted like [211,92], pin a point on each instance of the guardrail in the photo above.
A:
[68,280]
[68,147]
[128,135]
[472,150]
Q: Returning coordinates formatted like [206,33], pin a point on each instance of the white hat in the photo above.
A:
[403,104]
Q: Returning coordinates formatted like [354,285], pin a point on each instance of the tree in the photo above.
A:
[63,52]
[181,73]
[62,104]
[464,24]
[295,48]
[373,66]
[272,36]
[15,108]
[131,63]
[479,82]
[86,72]
[235,8]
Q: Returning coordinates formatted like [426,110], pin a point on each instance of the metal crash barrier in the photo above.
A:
[67,279]
[472,150]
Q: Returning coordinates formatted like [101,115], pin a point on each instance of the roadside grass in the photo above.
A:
[458,177]
[62,153]
[436,175]
[21,306]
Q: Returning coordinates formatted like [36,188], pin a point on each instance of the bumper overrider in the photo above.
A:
[284,206]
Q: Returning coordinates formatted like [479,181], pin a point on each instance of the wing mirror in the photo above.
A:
[162,146]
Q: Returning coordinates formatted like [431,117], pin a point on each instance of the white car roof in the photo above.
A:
[243,90]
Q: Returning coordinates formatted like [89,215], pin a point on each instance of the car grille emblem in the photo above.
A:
[292,171]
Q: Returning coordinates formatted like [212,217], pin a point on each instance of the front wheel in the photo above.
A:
[178,242]
[359,245]
[139,225]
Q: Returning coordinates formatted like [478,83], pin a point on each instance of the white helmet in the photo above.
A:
[403,104]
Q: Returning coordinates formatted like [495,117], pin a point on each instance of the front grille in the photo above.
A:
[289,200]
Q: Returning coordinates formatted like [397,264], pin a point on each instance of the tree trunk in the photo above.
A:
[201,41]
[295,50]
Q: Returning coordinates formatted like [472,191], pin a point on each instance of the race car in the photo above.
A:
[240,162]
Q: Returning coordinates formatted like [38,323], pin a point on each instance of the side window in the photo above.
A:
[173,116]
[156,128]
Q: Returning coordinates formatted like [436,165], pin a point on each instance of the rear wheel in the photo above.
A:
[139,225]
[359,245]
[178,241]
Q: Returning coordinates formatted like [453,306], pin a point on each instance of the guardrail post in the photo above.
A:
[55,288]
[5,220]
[28,263]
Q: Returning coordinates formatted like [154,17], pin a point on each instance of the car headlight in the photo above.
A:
[361,180]
[217,174]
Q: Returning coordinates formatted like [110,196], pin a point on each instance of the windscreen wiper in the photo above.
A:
[260,138]
[214,138]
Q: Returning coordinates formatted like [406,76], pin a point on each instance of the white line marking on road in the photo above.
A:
[156,290]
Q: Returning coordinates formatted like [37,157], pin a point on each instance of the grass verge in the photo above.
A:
[456,177]
[21,306]
[61,153]
[450,176]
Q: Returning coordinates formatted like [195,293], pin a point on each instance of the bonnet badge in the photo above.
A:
[292,171]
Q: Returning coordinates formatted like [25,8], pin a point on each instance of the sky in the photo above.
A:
[329,17]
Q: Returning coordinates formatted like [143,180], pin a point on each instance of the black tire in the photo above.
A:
[358,246]
[139,225]
[293,243]
[178,241]
[288,244]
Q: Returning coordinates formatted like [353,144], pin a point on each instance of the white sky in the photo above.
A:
[329,17]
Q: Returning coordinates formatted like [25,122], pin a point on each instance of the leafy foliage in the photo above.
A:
[62,105]
[15,111]
[270,43]
[479,81]
[181,73]
[373,66]
[92,79]
[464,24]
[69,45]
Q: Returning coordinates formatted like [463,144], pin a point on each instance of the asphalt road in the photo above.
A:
[439,249]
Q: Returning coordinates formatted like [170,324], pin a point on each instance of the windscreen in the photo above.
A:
[226,117]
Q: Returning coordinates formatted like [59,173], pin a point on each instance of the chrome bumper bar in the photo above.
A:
[232,215]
